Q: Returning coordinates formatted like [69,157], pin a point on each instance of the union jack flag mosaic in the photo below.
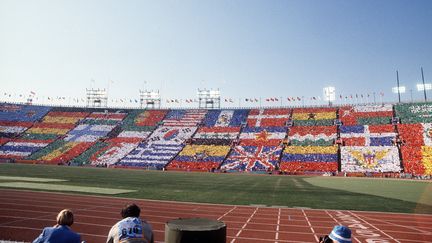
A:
[252,158]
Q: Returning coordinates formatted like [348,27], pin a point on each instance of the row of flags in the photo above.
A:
[32,96]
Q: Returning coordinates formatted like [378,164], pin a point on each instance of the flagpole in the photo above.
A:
[424,87]
[397,78]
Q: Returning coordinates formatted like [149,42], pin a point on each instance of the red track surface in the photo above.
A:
[23,214]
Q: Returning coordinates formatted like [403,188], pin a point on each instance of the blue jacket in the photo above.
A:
[59,234]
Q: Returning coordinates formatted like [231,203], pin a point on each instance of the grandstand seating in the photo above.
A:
[299,140]
[53,125]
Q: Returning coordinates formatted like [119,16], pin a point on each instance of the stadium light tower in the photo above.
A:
[329,94]
[209,98]
[423,87]
[399,90]
[97,98]
[150,99]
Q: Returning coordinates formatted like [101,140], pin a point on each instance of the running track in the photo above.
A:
[23,214]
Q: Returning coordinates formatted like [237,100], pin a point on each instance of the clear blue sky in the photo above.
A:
[247,49]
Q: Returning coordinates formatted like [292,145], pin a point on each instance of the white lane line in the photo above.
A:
[277,226]
[399,225]
[244,226]
[310,225]
[225,214]
[373,226]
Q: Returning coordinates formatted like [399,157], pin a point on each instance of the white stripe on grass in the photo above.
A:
[52,187]
[32,179]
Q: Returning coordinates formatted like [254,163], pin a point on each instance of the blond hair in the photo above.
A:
[65,217]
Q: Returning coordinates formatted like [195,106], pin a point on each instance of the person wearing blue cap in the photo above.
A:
[339,234]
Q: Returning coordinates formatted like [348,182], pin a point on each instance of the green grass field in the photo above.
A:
[386,195]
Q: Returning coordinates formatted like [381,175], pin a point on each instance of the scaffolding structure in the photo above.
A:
[97,98]
[209,99]
[150,99]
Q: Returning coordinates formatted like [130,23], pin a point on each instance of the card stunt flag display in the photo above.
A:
[225,118]
[227,133]
[171,135]
[151,155]
[314,116]
[309,158]
[370,159]
[20,148]
[12,129]
[268,117]
[201,157]
[416,147]
[252,158]
[368,135]
[270,136]
[312,135]
[184,118]
[22,113]
[414,112]
[366,114]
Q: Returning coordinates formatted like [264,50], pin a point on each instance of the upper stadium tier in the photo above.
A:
[378,138]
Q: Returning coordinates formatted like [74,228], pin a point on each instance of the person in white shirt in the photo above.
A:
[131,229]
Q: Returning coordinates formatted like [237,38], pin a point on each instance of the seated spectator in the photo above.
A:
[131,228]
[339,234]
[61,232]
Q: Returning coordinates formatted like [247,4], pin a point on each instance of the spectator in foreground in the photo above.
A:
[61,232]
[131,229]
[339,234]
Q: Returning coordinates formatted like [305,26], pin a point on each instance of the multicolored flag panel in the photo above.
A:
[88,133]
[20,148]
[225,133]
[12,129]
[414,112]
[370,159]
[314,116]
[312,135]
[184,118]
[60,151]
[265,136]
[415,134]
[366,114]
[151,155]
[22,113]
[104,118]
[309,158]
[171,135]
[368,135]
[416,148]
[417,159]
[201,157]
[252,158]
[268,117]
[225,118]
